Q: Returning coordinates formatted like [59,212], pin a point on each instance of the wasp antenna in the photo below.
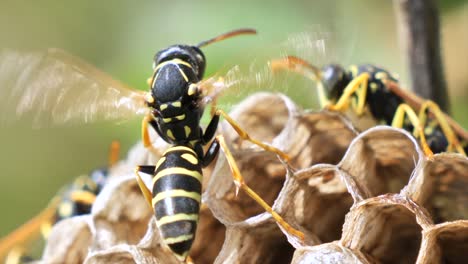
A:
[298,65]
[242,31]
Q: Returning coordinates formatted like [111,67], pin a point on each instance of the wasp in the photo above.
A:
[74,199]
[57,87]
[372,87]
[176,109]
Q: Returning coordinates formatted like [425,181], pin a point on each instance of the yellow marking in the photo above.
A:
[149,98]
[381,75]
[160,161]
[173,240]
[46,227]
[187,131]
[149,81]
[14,256]
[163,107]
[183,74]
[428,130]
[175,193]
[190,158]
[373,86]
[65,209]
[170,135]
[182,257]
[177,170]
[193,142]
[176,104]
[85,197]
[354,70]
[193,88]
[177,217]
[173,61]
[180,117]
[179,148]
[167,120]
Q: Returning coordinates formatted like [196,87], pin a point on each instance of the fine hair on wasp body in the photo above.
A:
[377,89]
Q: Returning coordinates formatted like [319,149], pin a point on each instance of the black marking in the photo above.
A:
[176,205]
[179,228]
[181,248]
[176,181]
[174,160]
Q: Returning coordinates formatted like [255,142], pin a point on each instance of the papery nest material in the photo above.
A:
[358,198]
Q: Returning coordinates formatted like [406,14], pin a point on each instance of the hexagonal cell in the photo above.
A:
[120,214]
[445,243]
[257,240]
[440,184]
[387,228]
[317,137]
[259,118]
[209,238]
[331,253]
[262,171]
[69,241]
[317,199]
[381,159]
[149,250]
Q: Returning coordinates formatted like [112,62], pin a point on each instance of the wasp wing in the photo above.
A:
[54,87]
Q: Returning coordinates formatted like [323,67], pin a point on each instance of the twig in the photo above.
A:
[420,36]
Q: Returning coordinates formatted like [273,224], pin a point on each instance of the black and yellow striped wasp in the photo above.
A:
[377,89]
[176,108]
[74,199]
[56,87]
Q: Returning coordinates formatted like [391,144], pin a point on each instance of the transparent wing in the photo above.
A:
[54,87]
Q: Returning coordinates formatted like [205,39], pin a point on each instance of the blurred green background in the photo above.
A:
[121,37]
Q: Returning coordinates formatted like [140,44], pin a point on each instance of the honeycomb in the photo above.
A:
[370,197]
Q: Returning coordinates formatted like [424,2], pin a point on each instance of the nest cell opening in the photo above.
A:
[388,233]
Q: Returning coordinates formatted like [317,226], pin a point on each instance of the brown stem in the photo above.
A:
[420,35]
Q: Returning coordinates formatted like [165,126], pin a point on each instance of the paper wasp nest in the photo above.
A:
[359,198]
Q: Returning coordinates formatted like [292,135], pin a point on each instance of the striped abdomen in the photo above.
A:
[176,198]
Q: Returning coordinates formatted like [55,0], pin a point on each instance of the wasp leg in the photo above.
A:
[398,121]
[243,134]
[146,192]
[210,153]
[145,134]
[210,129]
[305,69]
[359,86]
[240,184]
[454,143]
[28,231]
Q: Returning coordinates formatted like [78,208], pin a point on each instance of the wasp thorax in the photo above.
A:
[171,82]
[334,80]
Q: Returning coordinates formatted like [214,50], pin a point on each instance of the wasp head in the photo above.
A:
[335,80]
[176,70]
